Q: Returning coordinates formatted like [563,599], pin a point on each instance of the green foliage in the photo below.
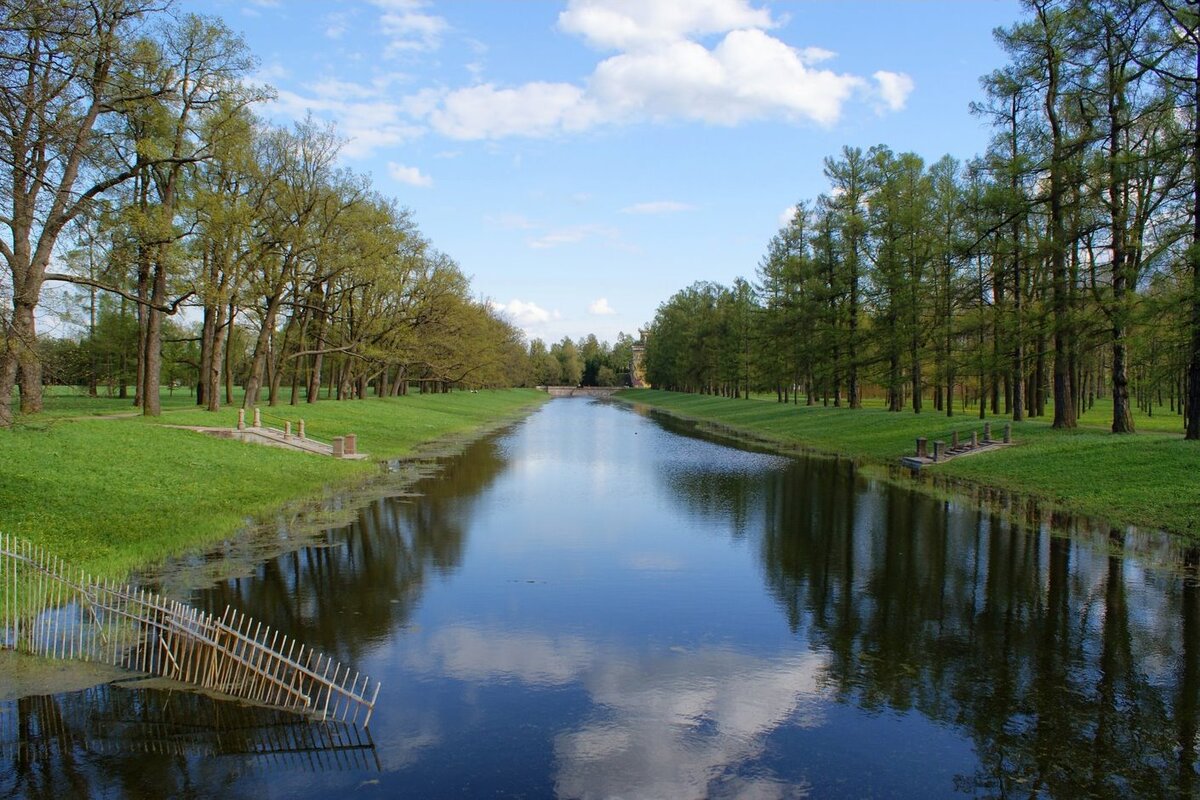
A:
[110,495]
[1146,480]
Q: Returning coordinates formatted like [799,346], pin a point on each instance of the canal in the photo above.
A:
[600,603]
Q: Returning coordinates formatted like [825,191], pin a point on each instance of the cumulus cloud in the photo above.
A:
[785,216]
[410,175]
[715,62]
[657,207]
[894,88]
[601,308]
[636,24]
[525,314]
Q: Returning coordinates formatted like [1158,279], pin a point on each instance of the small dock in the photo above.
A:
[958,445]
[289,436]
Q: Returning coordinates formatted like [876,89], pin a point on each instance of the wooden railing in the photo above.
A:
[51,610]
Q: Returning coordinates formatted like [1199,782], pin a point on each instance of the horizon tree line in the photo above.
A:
[1060,265]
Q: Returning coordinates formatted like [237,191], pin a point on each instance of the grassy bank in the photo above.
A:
[111,494]
[1151,479]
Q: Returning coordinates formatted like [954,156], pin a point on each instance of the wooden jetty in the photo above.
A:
[49,609]
[958,446]
[288,436]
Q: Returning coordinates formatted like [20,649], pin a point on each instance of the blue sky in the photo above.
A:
[583,160]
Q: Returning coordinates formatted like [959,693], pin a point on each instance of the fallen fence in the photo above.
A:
[118,720]
[49,609]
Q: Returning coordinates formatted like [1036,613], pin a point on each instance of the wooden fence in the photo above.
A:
[49,609]
[115,720]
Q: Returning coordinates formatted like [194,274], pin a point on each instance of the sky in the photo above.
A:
[583,160]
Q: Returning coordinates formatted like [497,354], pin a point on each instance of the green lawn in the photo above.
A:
[1151,479]
[113,494]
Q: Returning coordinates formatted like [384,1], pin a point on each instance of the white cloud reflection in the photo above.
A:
[670,724]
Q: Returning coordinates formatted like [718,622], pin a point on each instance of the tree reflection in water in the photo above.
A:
[1022,636]
[364,580]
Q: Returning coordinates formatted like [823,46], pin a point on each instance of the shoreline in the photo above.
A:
[967,478]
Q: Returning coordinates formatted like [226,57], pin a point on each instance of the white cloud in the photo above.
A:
[410,175]
[363,115]
[657,207]
[785,216]
[572,235]
[533,109]
[408,27]
[524,314]
[894,88]
[708,61]
[659,74]
[601,308]
[636,24]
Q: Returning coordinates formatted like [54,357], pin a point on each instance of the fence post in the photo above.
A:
[301,429]
[987,432]
[922,447]
[287,429]
[351,444]
[339,447]
[954,439]
[241,419]
[974,440]
[1008,433]
[257,417]
[938,446]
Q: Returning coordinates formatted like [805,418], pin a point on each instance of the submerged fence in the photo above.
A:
[115,720]
[49,609]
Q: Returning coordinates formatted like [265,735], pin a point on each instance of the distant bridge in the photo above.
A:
[581,391]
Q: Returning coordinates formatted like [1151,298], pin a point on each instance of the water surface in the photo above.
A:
[597,603]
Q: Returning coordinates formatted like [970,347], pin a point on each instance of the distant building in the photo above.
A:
[637,371]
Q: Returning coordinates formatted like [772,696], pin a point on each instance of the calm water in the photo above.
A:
[599,604]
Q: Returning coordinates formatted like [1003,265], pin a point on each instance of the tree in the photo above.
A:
[59,93]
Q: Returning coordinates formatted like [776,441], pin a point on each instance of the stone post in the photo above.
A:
[339,447]
[257,417]
[241,419]
[301,433]
[922,447]
[287,429]
[938,447]
[974,440]
[954,439]
[351,444]
[987,432]
[1008,433]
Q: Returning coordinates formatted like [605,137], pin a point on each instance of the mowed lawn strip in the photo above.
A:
[1149,479]
[112,495]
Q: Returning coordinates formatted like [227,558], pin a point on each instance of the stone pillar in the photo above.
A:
[938,447]
[954,439]
[987,432]
[301,433]
[339,447]
[287,429]
[257,417]
[1008,433]
[351,444]
[974,440]
[241,419]
[922,447]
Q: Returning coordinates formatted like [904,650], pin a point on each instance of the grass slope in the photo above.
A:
[112,494]
[1151,479]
